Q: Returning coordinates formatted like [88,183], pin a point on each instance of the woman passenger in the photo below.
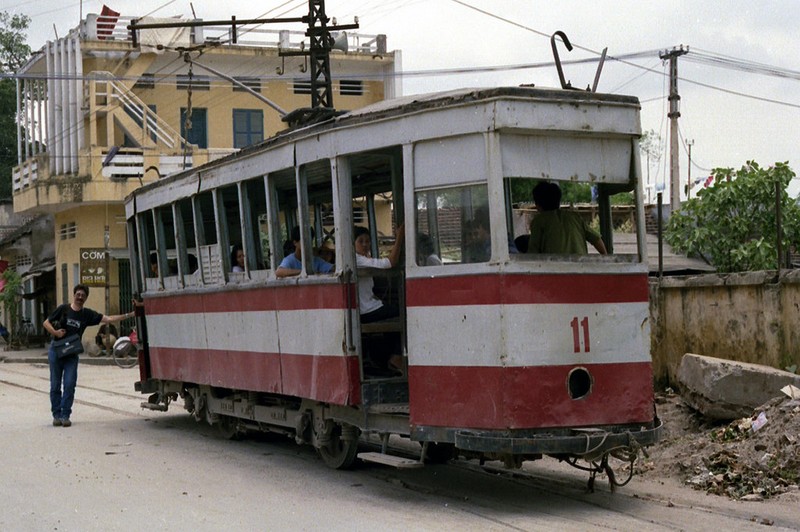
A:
[237,258]
[371,308]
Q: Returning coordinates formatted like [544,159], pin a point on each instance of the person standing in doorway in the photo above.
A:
[72,318]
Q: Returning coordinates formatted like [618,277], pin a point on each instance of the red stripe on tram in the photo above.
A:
[304,297]
[333,379]
[519,289]
[527,397]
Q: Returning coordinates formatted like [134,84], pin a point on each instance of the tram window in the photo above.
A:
[208,250]
[256,239]
[188,250]
[149,241]
[304,199]
[595,210]
[166,240]
[230,222]
[453,225]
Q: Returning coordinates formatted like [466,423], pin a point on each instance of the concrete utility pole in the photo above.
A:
[689,143]
[674,114]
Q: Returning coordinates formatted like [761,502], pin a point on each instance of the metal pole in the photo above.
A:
[689,173]
[659,198]
[778,231]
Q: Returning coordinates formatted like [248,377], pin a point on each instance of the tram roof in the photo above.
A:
[406,105]
[409,105]
[418,102]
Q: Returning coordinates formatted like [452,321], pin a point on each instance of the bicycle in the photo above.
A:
[126,352]
[23,333]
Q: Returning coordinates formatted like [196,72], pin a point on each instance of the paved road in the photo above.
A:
[122,468]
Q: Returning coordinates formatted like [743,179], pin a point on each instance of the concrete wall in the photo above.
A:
[748,317]
[90,221]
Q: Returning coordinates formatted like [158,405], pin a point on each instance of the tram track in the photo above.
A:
[495,497]
[553,480]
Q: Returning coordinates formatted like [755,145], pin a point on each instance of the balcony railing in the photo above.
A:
[26,174]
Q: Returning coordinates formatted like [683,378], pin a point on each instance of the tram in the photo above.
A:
[507,355]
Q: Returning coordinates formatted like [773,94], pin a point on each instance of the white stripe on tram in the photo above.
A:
[528,335]
[300,332]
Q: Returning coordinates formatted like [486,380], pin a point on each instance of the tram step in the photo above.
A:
[387,459]
[390,408]
[381,327]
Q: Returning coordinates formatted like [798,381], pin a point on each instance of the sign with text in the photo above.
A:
[93,267]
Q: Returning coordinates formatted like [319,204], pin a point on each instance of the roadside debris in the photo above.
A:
[725,390]
[750,459]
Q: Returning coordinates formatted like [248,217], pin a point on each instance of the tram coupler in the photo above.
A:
[154,403]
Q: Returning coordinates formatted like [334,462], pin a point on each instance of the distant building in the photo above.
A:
[100,117]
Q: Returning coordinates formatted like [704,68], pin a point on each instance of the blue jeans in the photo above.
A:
[62,370]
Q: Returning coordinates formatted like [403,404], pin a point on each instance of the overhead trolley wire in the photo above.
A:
[717,59]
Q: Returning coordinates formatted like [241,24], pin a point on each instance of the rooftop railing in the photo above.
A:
[112,28]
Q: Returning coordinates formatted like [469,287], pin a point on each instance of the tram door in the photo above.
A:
[380,276]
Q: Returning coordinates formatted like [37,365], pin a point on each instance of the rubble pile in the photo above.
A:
[750,459]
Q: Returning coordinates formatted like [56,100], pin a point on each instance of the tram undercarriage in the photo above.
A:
[335,431]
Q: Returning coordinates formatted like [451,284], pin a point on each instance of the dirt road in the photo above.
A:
[119,467]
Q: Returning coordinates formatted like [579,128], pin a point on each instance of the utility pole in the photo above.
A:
[689,143]
[319,33]
[674,114]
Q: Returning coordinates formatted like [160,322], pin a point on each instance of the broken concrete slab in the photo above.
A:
[727,390]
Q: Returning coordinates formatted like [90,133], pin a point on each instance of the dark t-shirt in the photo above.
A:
[64,317]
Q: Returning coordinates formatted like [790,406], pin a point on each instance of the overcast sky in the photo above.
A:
[727,128]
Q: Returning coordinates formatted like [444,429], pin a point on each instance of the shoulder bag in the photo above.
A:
[68,345]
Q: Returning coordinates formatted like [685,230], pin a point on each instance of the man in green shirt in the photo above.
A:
[556,231]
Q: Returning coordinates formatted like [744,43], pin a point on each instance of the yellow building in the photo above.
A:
[101,115]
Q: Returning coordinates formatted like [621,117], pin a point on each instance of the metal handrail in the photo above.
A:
[150,120]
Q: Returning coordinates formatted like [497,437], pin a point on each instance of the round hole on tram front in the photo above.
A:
[579,383]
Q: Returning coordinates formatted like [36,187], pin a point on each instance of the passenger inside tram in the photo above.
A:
[370,306]
[381,351]
[558,231]
[327,252]
[426,253]
[479,240]
[292,264]
[153,264]
[237,258]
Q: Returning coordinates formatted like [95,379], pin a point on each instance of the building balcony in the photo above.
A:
[105,175]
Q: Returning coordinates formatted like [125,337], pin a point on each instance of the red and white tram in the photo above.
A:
[510,355]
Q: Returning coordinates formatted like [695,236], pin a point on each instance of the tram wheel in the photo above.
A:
[340,447]
[228,428]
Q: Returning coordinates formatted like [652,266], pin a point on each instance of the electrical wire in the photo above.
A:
[634,78]
[718,59]
[741,65]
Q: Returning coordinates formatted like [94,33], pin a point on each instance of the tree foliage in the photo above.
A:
[571,192]
[14,52]
[10,298]
[733,223]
